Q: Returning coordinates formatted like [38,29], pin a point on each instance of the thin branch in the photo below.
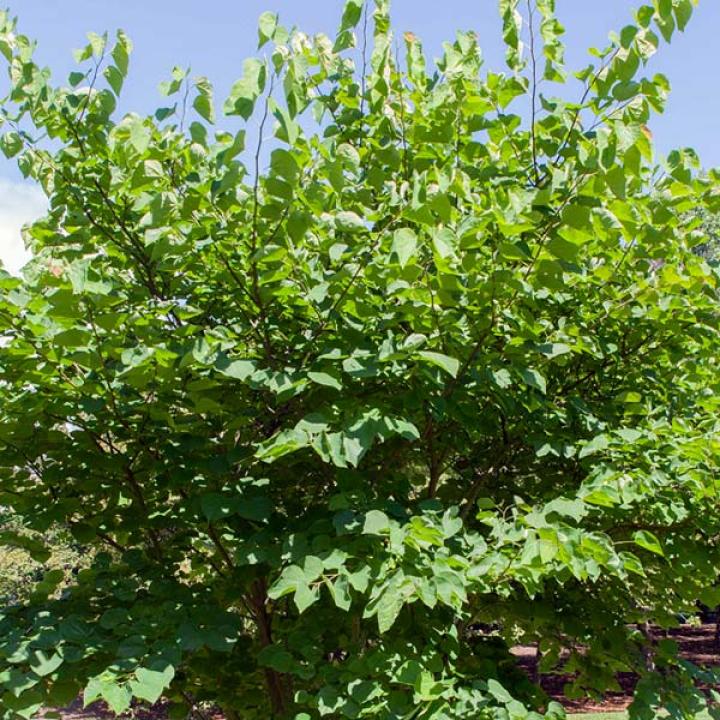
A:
[184,105]
[452,385]
[112,543]
[140,499]
[193,706]
[580,106]
[217,542]
[321,328]
[403,129]
[433,464]
[86,103]
[533,109]
[254,232]
[475,492]
[363,78]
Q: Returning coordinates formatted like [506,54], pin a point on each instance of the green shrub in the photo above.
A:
[329,407]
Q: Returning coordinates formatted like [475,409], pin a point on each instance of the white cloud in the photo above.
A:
[20,203]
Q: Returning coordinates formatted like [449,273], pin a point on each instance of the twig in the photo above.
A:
[220,547]
[254,233]
[533,109]
[363,79]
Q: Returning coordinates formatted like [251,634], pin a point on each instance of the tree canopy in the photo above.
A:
[345,414]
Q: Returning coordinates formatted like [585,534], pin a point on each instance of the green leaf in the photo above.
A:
[616,180]
[150,684]
[404,245]
[36,549]
[322,378]
[444,243]
[570,508]
[173,86]
[534,379]
[388,609]
[340,591]
[553,350]
[117,696]
[352,12]
[304,597]
[376,523]
[140,135]
[43,664]
[645,539]
[283,163]
[360,579]
[115,78]
[512,33]
[244,93]
[629,435]
[683,13]
[512,251]
[290,578]
[237,369]
[710,596]
[627,135]
[288,130]
[349,222]
[596,445]
[267,24]
[632,563]
[63,692]
[26,704]
[11,144]
[121,53]
[499,692]
[203,102]
[450,365]
[284,443]
[563,249]
[257,508]
[216,506]
[97,43]
[604,497]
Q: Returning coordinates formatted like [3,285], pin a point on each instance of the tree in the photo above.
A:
[708,226]
[329,407]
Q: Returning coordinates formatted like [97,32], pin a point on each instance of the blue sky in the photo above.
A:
[214,36]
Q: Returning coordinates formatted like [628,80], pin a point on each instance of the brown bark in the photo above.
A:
[277,685]
[647,649]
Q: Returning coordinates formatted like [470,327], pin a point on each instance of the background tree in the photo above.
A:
[709,229]
[325,419]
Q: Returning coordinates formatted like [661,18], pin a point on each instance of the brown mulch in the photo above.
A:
[697,644]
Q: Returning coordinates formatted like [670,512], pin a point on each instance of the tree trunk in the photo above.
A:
[647,649]
[278,688]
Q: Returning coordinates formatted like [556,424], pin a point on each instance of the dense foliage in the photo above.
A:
[348,413]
